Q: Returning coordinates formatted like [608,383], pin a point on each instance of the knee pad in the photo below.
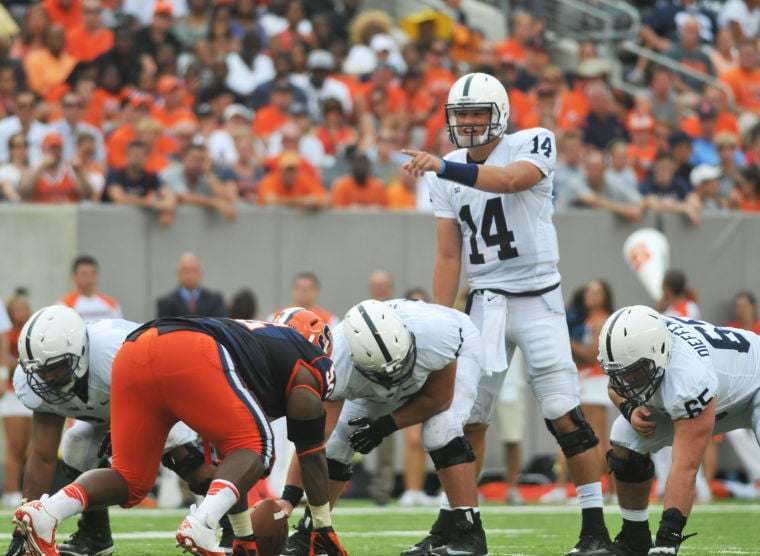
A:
[338,471]
[578,441]
[638,468]
[184,459]
[455,452]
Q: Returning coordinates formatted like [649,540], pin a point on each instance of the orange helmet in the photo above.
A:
[308,324]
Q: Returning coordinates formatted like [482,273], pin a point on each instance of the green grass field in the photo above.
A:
[724,528]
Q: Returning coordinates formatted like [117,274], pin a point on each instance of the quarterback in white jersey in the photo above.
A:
[65,372]
[493,201]
[677,382]
[399,363]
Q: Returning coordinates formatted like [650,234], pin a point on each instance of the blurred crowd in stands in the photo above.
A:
[307,103]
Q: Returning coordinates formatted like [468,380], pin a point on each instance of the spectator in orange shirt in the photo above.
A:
[726,120]
[150,132]
[438,77]
[85,159]
[273,116]
[335,133]
[523,30]
[173,108]
[290,186]
[402,192]
[49,66]
[134,108]
[90,38]
[359,188]
[416,103]
[745,310]
[643,147]
[745,80]
[746,196]
[67,13]
[54,180]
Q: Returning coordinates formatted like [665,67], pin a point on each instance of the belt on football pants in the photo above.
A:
[505,293]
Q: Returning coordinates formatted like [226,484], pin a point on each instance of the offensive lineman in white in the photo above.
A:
[65,372]
[677,382]
[399,363]
[493,200]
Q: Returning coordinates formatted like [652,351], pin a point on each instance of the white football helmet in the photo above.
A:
[477,91]
[382,348]
[634,351]
[53,350]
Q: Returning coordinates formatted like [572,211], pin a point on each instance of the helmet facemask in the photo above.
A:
[636,382]
[61,375]
[491,132]
[394,372]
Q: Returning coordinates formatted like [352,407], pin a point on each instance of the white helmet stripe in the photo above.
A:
[375,334]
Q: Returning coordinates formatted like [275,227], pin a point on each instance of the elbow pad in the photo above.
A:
[306,432]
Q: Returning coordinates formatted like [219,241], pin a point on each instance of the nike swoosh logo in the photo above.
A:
[489,299]
[408,387]
[105,402]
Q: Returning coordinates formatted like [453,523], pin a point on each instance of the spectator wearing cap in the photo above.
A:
[194,182]
[687,50]
[666,192]
[221,142]
[359,188]
[144,10]
[643,147]
[705,183]
[171,107]
[150,39]
[48,67]
[602,125]
[250,67]
[123,56]
[318,85]
[726,120]
[67,13]
[745,79]
[54,180]
[273,116]
[24,122]
[72,124]
[290,185]
[137,186]
[90,38]
[592,190]
[385,51]
[704,151]
[680,146]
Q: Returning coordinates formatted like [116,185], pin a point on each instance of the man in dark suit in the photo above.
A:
[190,298]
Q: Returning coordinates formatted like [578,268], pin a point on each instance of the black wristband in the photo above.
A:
[626,408]
[292,494]
[385,425]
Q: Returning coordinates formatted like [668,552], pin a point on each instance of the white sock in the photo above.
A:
[590,495]
[221,496]
[634,515]
[445,505]
[67,502]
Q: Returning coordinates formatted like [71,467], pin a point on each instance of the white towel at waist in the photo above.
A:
[493,331]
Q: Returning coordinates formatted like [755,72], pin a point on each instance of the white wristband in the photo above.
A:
[320,516]
[5,374]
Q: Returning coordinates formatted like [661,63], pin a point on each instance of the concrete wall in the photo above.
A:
[263,249]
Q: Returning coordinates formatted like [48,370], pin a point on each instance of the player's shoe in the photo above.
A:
[244,548]
[17,546]
[87,543]
[592,545]
[467,536]
[196,536]
[439,535]
[299,542]
[37,527]
[228,535]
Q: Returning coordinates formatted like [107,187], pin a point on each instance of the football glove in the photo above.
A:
[16,548]
[325,540]
[369,433]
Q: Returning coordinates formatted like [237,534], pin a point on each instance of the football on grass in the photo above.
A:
[270,526]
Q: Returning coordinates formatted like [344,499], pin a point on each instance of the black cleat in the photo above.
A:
[87,543]
[439,535]
[467,536]
[592,545]
[228,535]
